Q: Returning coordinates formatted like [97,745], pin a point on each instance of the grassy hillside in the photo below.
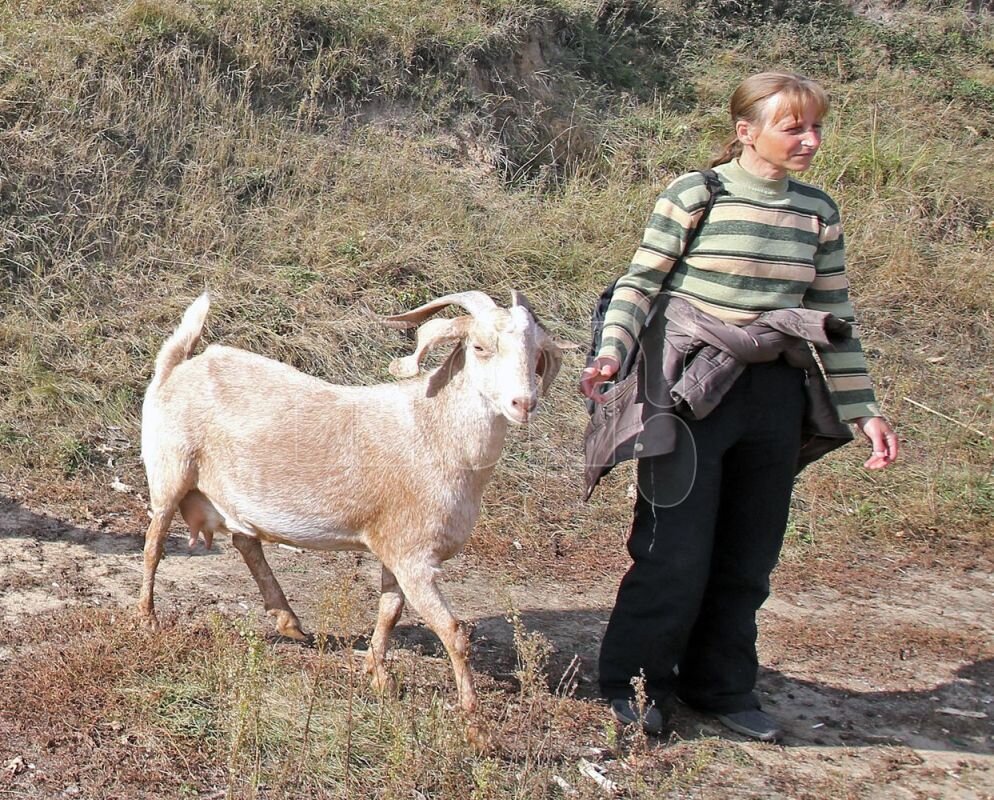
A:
[311,161]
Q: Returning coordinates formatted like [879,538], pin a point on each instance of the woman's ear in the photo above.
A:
[745,131]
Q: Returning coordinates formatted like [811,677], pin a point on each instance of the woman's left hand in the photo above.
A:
[883,439]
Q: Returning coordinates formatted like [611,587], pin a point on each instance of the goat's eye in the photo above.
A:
[480,350]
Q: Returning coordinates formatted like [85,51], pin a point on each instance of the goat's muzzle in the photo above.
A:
[521,408]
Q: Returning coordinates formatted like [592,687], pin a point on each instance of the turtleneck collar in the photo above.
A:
[736,173]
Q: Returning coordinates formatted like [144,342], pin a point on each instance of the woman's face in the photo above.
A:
[785,143]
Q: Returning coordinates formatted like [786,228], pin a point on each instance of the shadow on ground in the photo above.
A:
[21,523]
[944,717]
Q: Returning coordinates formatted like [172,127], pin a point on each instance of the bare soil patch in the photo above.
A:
[884,677]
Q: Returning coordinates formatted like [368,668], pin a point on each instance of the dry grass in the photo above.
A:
[301,164]
[212,708]
[310,162]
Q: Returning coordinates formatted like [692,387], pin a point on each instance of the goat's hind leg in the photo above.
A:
[273,599]
[166,490]
[391,607]
[155,538]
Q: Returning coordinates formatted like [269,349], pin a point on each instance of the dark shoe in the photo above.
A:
[625,711]
[754,723]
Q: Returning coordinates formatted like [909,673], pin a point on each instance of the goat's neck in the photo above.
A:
[469,433]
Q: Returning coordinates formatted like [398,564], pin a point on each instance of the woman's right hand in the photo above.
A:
[603,369]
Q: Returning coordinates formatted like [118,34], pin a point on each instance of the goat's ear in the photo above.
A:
[550,359]
[431,334]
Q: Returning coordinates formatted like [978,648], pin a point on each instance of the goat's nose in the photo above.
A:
[524,403]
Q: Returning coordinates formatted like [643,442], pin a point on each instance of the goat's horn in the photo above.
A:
[476,303]
[518,299]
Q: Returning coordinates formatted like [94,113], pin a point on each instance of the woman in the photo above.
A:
[684,619]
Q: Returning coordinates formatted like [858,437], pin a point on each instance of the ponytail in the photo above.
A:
[731,149]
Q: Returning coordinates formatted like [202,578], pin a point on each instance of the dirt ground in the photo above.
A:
[881,669]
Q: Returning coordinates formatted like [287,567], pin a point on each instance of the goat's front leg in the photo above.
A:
[155,539]
[273,599]
[418,583]
[391,607]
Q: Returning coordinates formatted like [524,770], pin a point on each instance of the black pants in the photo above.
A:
[707,530]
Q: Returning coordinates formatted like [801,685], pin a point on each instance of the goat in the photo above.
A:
[246,445]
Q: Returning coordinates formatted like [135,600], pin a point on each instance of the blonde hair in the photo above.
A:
[751,102]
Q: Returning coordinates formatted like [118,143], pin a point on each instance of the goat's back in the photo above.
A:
[278,450]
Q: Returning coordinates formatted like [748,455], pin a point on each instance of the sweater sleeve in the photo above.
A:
[845,366]
[674,216]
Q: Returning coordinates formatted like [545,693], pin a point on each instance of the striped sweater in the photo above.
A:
[766,244]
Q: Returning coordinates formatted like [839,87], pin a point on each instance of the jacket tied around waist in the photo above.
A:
[687,361]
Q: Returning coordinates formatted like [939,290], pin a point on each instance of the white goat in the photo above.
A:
[246,445]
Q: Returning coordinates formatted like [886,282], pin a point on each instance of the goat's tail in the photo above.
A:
[177,348]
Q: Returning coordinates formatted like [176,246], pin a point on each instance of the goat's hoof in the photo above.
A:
[380,679]
[384,684]
[149,621]
[480,738]
[288,625]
